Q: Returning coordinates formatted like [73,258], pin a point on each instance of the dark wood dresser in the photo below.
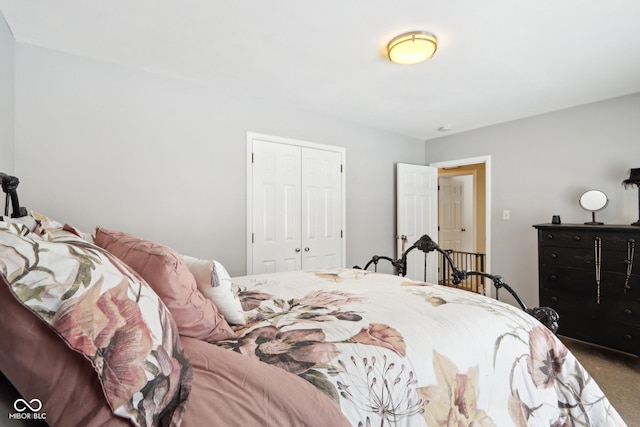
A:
[590,274]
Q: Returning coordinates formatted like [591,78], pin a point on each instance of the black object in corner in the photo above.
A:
[10,187]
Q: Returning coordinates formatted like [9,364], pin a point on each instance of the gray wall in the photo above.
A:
[99,143]
[541,166]
[7,44]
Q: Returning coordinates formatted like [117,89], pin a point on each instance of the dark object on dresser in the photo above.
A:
[546,315]
[591,277]
[634,179]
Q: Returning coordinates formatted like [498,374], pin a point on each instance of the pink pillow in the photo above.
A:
[165,271]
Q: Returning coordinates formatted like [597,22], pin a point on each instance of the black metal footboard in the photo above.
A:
[546,315]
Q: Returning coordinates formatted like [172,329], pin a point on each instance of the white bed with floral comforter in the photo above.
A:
[392,352]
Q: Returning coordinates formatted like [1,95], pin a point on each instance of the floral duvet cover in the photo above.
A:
[393,352]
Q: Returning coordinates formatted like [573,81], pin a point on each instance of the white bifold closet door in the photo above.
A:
[296,214]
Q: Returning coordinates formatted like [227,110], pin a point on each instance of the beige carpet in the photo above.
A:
[617,374]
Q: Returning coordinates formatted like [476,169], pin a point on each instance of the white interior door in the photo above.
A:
[276,207]
[456,213]
[321,209]
[417,214]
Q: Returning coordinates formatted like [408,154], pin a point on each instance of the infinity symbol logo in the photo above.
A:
[21,405]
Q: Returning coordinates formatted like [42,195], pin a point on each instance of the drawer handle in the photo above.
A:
[554,299]
[577,238]
[627,311]
[553,277]
[554,256]
[549,236]
[628,337]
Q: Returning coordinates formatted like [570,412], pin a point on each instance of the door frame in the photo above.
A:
[249,187]
[487,164]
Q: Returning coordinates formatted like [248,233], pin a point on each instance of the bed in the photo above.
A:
[108,328]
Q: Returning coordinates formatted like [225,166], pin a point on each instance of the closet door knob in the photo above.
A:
[297,249]
[306,249]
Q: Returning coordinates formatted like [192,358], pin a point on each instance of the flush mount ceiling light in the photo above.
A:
[412,47]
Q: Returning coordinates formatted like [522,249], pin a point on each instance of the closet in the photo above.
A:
[295,198]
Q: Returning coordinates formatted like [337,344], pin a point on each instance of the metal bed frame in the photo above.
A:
[546,315]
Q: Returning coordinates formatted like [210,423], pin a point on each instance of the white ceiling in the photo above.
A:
[497,60]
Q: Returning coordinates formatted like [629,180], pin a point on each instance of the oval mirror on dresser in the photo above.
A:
[593,201]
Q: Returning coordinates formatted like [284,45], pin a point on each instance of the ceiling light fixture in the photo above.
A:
[412,47]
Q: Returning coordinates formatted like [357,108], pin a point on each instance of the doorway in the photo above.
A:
[472,174]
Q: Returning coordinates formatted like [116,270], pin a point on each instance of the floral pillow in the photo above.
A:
[214,282]
[103,311]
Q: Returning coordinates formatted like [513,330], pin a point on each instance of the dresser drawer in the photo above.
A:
[584,281]
[585,239]
[585,328]
[614,304]
[565,299]
[616,290]
[628,315]
[567,238]
[578,282]
[622,337]
[599,331]
[626,312]
[568,257]
[615,242]
[585,258]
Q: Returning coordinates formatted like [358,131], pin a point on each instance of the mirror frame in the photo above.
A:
[586,203]
[588,195]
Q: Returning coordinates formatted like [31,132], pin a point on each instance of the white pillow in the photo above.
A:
[214,282]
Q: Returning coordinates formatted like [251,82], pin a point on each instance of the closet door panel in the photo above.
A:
[276,207]
[321,208]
